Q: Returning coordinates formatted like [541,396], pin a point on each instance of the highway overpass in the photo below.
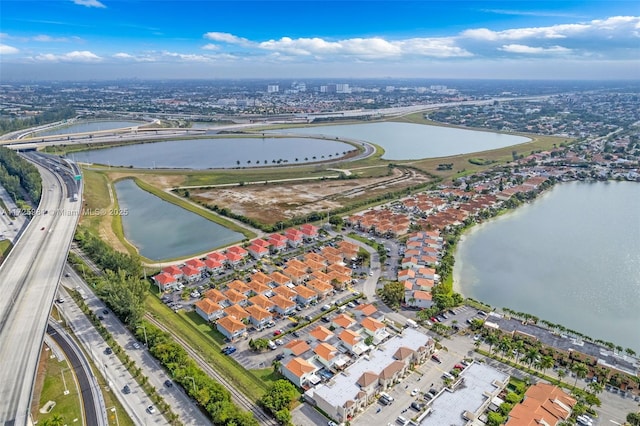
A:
[29,278]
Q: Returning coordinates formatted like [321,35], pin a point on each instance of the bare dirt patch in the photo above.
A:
[274,202]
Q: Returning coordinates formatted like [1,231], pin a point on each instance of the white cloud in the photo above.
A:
[226,38]
[616,26]
[211,46]
[48,39]
[122,55]
[521,48]
[89,3]
[5,49]
[359,48]
[75,56]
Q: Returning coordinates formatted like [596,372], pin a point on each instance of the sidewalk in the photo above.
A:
[115,373]
[180,403]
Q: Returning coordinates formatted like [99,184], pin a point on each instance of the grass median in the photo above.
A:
[205,340]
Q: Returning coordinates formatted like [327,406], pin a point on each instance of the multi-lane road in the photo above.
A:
[28,281]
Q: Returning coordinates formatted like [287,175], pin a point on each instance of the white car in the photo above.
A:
[136,345]
[151,409]
[415,392]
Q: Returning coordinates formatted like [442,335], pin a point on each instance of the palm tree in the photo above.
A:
[561,373]
[518,345]
[491,340]
[531,356]
[595,387]
[504,346]
[581,370]
[545,363]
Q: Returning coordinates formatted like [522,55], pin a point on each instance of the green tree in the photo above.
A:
[595,387]
[393,294]
[495,419]
[545,363]
[561,374]
[633,419]
[279,396]
[124,294]
[492,339]
[580,370]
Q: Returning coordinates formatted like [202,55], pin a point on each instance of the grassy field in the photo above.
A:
[208,342]
[5,248]
[68,407]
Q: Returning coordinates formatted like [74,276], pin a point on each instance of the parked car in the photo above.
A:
[277,332]
[228,350]
[108,351]
[151,409]
[436,359]
[417,406]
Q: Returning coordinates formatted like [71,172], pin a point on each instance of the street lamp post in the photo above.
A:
[144,330]
[66,390]
[115,412]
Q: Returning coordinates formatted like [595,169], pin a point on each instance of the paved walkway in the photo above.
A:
[180,403]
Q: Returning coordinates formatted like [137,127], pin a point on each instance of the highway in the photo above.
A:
[28,281]
[92,402]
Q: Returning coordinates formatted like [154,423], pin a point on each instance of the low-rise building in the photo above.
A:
[208,309]
[300,372]
[258,316]
[350,391]
[543,403]
[231,328]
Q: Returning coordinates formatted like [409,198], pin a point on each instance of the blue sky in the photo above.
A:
[105,39]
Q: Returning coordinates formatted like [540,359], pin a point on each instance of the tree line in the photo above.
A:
[211,395]
[120,286]
[17,174]
[50,116]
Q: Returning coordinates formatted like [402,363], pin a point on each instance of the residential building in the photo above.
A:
[299,372]
[190,273]
[196,263]
[543,403]
[174,271]
[165,281]
[296,347]
[258,316]
[345,395]
[283,306]
[236,312]
[208,309]
[230,327]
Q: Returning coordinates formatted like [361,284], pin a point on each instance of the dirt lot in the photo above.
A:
[273,202]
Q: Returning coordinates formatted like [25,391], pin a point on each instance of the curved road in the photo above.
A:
[28,281]
[94,408]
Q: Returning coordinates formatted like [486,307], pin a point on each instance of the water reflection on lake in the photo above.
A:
[161,230]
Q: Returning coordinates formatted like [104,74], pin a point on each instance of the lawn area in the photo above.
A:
[208,342]
[5,248]
[67,406]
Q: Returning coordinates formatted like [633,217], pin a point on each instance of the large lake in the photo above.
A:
[92,126]
[571,257]
[216,153]
[161,230]
[406,141]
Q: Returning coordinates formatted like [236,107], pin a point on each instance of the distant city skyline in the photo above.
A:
[115,39]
